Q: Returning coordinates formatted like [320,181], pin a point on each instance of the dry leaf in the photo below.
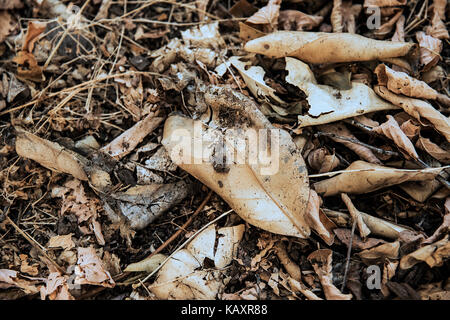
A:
[267,14]
[376,225]
[128,140]
[7,25]
[147,265]
[364,231]
[433,254]
[364,177]
[264,197]
[386,27]
[34,30]
[315,220]
[182,275]
[411,129]
[321,261]
[27,67]
[380,253]
[341,130]
[64,242]
[444,228]
[90,270]
[10,278]
[430,49]
[298,286]
[418,109]
[322,161]
[384,3]
[204,36]
[392,130]
[344,235]
[438,29]
[328,104]
[291,267]
[433,150]
[321,47]
[399,34]
[247,33]
[56,287]
[389,269]
[401,83]
[297,20]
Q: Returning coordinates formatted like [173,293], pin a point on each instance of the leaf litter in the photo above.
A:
[95,201]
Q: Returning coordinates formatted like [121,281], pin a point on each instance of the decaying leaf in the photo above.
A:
[344,235]
[433,150]
[267,14]
[340,129]
[90,269]
[128,140]
[438,29]
[384,3]
[392,130]
[316,219]
[401,83]
[380,253]
[321,261]
[147,265]
[343,16]
[321,47]
[56,287]
[291,267]
[362,177]
[433,254]
[264,197]
[328,104]
[430,49]
[7,24]
[183,276]
[297,20]
[418,109]
[10,278]
[64,242]
[322,161]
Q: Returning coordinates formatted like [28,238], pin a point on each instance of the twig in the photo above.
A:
[184,226]
[349,251]
[378,150]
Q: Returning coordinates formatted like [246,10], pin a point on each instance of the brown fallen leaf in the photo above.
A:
[298,286]
[7,24]
[363,177]
[430,49]
[56,287]
[10,278]
[433,254]
[90,270]
[340,129]
[401,83]
[291,267]
[387,27]
[64,241]
[364,231]
[264,198]
[411,129]
[343,16]
[182,275]
[384,3]
[35,29]
[27,67]
[267,15]
[399,34]
[433,150]
[317,221]
[392,130]
[322,161]
[247,33]
[380,253]
[344,235]
[444,228]
[321,261]
[128,140]
[297,20]
[418,109]
[389,270]
[435,291]
[320,47]
[438,29]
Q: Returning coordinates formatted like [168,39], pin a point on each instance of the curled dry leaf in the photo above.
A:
[433,254]
[322,161]
[321,261]
[384,3]
[90,269]
[10,278]
[399,34]
[56,287]
[260,193]
[364,231]
[297,286]
[147,265]
[433,150]
[444,228]
[401,83]
[317,220]
[376,225]
[291,267]
[389,269]
[27,67]
[341,130]
[321,47]
[7,25]
[418,109]
[343,16]
[297,20]
[128,140]
[205,36]
[438,29]
[363,177]
[182,276]
[411,129]
[380,253]
[430,49]
[267,14]
[392,130]
[344,235]
[386,27]
[328,104]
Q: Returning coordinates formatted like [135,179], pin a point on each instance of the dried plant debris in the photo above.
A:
[230,150]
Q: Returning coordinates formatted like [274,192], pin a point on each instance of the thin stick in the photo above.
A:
[349,251]
[184,226]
